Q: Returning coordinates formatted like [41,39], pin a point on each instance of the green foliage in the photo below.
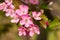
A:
[51,36]
[44,6]
[54,23]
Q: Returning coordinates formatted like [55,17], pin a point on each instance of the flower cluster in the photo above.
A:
[23,17]
[28,31]
[7,7]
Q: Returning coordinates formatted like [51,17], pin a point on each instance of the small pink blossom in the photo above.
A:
[8,7]
[33,29]
[2,6]
[22,31]
[8,1]
[6,4]
[34,1]
[18,12]
[23,9]
[31,33]
[26,20]
[14,15]
[36,15]
[11,6]
[9,12]
[15,20]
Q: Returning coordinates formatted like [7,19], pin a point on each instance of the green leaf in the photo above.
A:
[54,23]
[44,6]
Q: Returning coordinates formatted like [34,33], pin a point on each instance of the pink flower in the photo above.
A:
[22,31]
[23,9]
[33,29]
[34,1]
[7,1]
[9,12]
[26,20]
[14,15]
[18,12]
[15,20]
[7,7]
[11,6]
[36,15]
[2,6]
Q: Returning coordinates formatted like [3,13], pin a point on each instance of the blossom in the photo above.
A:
[36,15]
[34,1]
[11,6]
[7,7]
[23,9]
[22,17]
[18,12]
[26,20]
[15,17]
[30,31]
[33,29]
[9,12]
[15,20]
[8,2]
[22,31]
[2,6]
